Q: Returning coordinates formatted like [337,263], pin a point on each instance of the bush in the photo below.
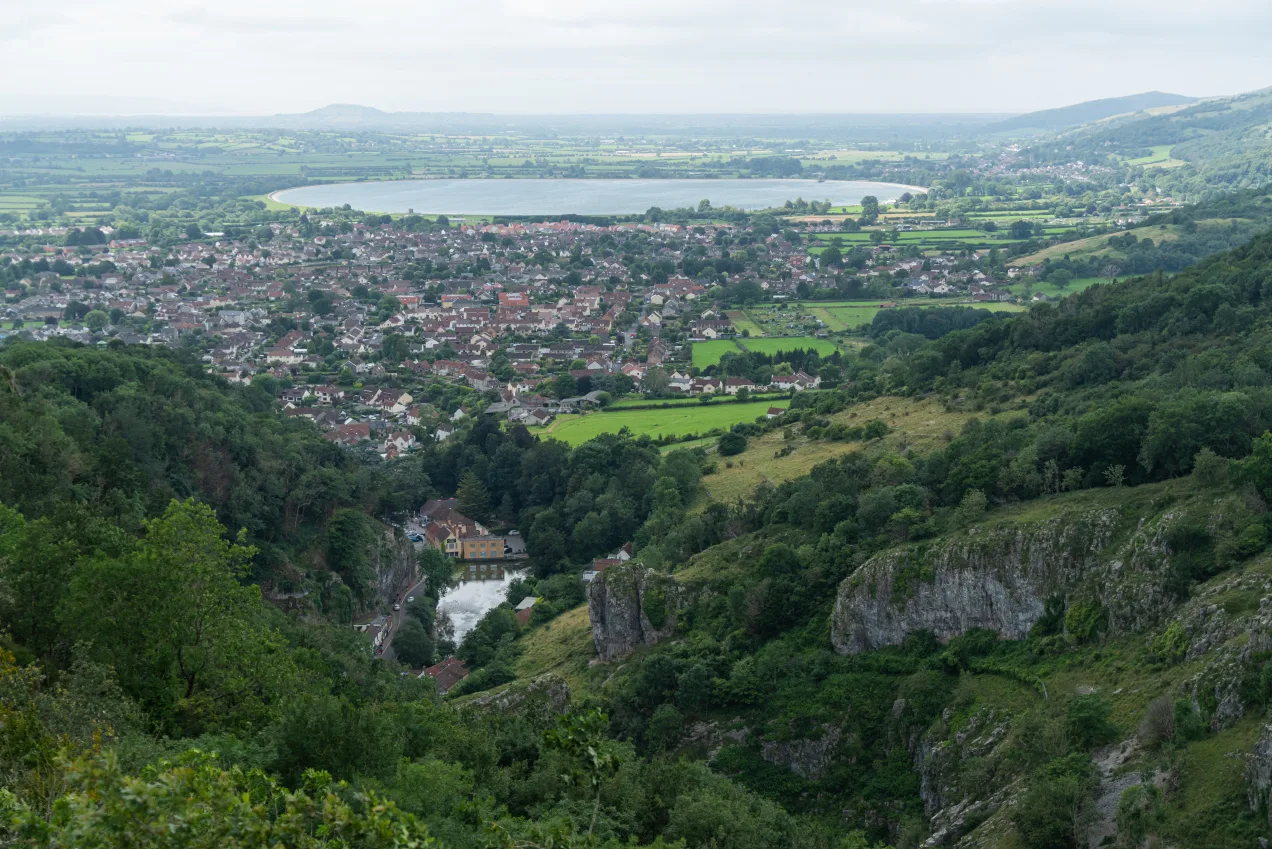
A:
[1087,721]
[1209,468]
[731,444]
[876,429]
[1158,725]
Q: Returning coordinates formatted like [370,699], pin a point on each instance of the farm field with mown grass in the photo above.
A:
[675,421]
[740,321]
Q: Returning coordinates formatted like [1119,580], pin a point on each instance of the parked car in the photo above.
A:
[410,599]
[396,608]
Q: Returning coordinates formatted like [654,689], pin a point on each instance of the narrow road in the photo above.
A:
[396,617]
[631,334]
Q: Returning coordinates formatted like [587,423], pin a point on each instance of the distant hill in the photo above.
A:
[1091,110]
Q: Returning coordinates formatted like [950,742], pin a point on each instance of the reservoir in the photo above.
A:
[578,197]
[478,589]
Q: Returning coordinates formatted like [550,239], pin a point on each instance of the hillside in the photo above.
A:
[1019,598]
[1224,142]
[1083,634]
[1052,120]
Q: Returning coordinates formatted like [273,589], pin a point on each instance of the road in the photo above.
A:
[631,334]
[396,618]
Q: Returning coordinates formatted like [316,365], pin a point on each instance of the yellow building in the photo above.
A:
[481,548]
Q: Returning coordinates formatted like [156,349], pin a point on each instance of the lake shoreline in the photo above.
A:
[729,187]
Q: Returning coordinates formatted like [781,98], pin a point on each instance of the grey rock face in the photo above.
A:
[620,603]
[541,699]
[998,580]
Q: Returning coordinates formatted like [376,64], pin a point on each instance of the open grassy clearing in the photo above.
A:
[772,344]
[709,353]
[739,320]
[1051,290]
[675,421]
[922,424]
[562,647]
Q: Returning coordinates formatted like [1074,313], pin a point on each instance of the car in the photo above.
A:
[410,599]
[396,608]
[514,533]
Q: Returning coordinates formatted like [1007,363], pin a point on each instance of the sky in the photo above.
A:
[620,56]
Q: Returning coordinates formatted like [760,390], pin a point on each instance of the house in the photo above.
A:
[774,412]
[524,609]
[399,441]
[733,384]
[481,547]
[377,629]
[350,434]
[446,674]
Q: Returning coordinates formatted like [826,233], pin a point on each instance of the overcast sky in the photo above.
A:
[566,56]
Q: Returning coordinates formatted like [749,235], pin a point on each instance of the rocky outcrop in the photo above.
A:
[997,579]
[631,606]
[1259,774]
[809,758]
[541,700]
[394,566]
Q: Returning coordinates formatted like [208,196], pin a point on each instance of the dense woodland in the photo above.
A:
[146,505]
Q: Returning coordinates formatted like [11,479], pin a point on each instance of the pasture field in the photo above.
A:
[921,423]
[739,320]
[1053,291]
[772,344]
[647,403]
[677,421]
[709,353]
[845,316]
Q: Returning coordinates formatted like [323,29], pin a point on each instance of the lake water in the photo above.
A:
[579,197]
[481,587]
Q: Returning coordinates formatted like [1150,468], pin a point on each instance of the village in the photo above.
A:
[384,336]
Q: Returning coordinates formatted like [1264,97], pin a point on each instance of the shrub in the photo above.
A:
[876,429]
[1084,620]
[1087,720]
[731,444]
[1158,725]
[1209,468]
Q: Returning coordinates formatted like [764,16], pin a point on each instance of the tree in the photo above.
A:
[195,803]
[186,637]
[436,569]
[869,210]
[731,443]
[474,499]
[412,644]
[656,381]
[96,320]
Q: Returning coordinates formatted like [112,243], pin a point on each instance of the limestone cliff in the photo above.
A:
[631,606]
[997,578]
[393,564]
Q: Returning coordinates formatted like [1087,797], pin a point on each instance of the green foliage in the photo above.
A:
[195,803]
[1087,720]
[731,443]
[1056,809]
[1085,619]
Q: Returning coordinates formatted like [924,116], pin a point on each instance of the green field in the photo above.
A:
[709,353]
[1054,291]
[771,345]
[576,429]
[739,320]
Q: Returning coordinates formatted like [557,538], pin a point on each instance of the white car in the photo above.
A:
[396,608]
[410,599]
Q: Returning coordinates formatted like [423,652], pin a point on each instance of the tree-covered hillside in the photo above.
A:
[1046,628]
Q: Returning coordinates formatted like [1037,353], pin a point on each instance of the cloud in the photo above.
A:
[637,55]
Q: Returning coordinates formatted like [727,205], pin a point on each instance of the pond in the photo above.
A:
[578,197]
[480,587]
